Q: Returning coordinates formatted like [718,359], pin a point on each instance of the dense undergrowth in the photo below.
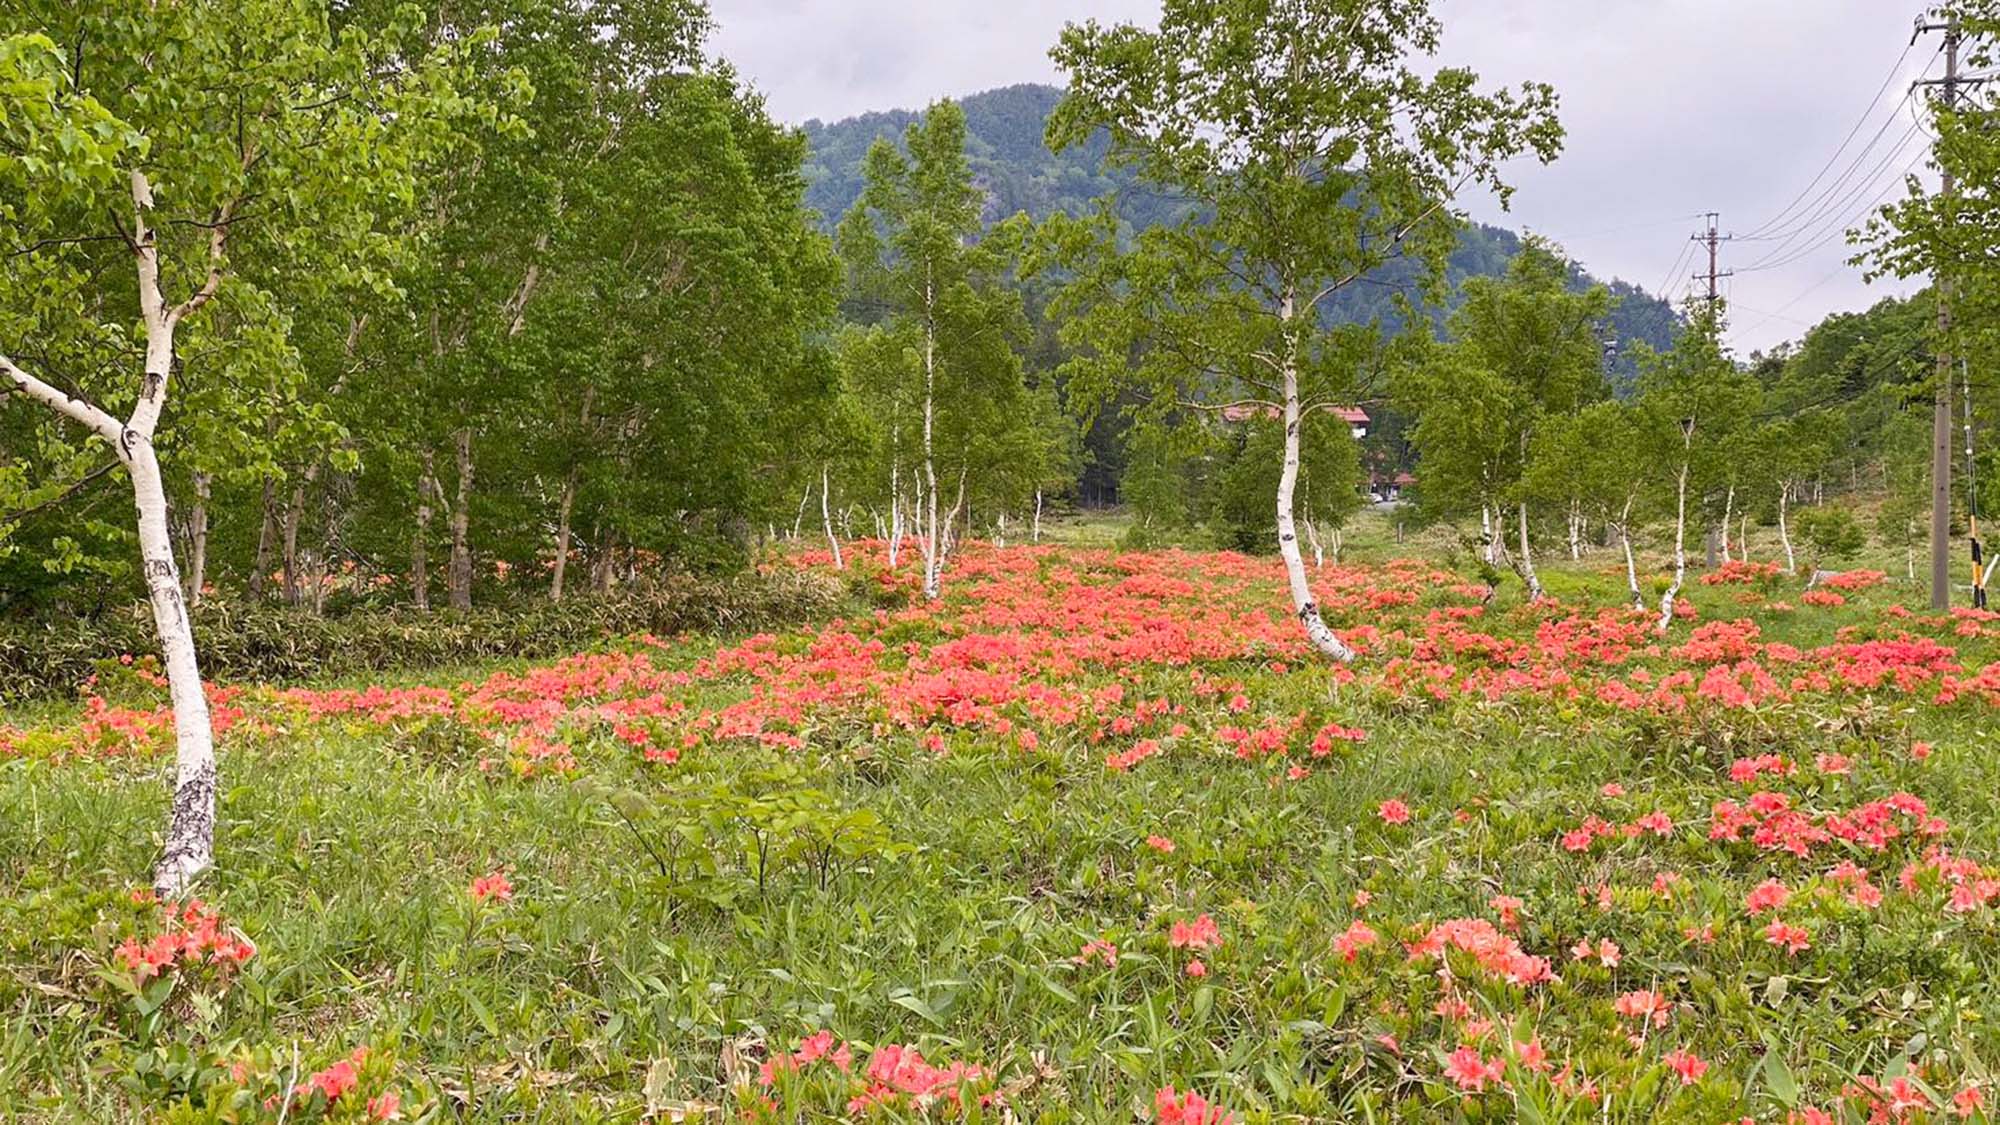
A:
[1093,840]
[50,654]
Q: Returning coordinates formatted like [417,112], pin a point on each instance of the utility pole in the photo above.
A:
[1941,404]
[1972,494]
[1711,236]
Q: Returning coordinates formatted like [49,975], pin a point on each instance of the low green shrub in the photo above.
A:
[251,641]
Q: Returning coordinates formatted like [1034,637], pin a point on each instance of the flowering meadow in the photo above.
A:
[1093,839]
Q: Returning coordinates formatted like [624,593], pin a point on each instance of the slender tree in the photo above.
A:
[1315,155]
[257,128]
[913,251]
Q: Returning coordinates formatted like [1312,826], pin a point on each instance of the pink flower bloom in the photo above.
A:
[1201,933]
[494,886]
[1767,895]
[1160,844]
[1171,1107]
[1097,950]
[1643,1004]
[1196,969]
[1687,1065]
[1792,939]
[1393,811]
[1470,1071]
[1356,938]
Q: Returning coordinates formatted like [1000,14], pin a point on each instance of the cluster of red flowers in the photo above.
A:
[895,1075]
[193,934]
[1171,1107]
[1494,951]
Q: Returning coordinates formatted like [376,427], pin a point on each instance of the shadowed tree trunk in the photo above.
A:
[459,576]
[198,540]
[420,565]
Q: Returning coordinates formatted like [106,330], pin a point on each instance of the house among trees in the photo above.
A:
[1355,417]
[1387,488]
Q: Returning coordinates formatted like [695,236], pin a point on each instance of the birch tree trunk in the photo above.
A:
[295,513]
[1527,562]
[1322,638]
[1631,564]
[1680,538]
[459,575]
[563,510]
[1728,513]
[602,564]
[933,553]
[826,517]
[189,846]
[1784,528]
[799,517]
[567,506]
[1035,533]
[1575,530]
[267,530]
[420,564]
[1319,551]
[198,540]
[895,513]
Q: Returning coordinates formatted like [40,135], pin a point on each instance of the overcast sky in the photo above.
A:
[1673,107]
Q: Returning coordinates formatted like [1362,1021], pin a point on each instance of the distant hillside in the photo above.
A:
[1019,173]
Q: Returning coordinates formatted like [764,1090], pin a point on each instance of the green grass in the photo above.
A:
[346,852]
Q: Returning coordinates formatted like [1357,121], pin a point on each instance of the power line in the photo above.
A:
[1845,185]
[1895,69]
[1837,229]
[1673,271]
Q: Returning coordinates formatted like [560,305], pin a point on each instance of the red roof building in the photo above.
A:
[1355,417]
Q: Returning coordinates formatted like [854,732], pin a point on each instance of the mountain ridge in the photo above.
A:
[1014,167]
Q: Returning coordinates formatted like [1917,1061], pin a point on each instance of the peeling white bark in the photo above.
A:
[198,539]
[1784,528]
[188,848]
[895,513]
[932,546]
[1303,605]
[560,568]
[1631,564]
[1527,563]
[826,517]
[1035,534]
[458,575]
[1728,513]
[420,566]
[1680,536]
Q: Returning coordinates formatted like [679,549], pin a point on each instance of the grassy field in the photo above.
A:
[1092,838]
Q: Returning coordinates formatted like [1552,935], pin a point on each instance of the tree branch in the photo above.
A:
[60,498]
[76,409]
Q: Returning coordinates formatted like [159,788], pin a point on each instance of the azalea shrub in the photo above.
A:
[1095,838]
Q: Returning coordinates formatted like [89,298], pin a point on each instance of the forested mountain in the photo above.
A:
[1017,172]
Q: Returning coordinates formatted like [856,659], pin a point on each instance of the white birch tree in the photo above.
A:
[1315,154]
[177,162]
